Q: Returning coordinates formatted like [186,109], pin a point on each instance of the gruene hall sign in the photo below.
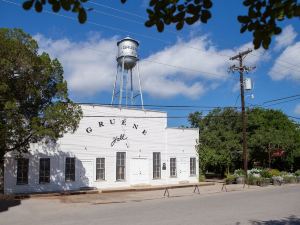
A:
[122,136]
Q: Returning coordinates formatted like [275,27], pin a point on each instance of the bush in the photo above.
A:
[277,180]
[230,178]
[239,173]
[253,180]
[274,172]
[289,178]
[201,178]
[297,173]
[254,171]
[265,173]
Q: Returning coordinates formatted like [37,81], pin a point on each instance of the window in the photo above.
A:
[70,169]
[100,169]
[120,166]
[193,166]
[173,172]
[156,165]
[44,170]
[22,171]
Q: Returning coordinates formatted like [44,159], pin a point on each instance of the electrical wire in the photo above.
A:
[283,98]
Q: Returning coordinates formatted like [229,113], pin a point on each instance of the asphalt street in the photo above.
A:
[265,206]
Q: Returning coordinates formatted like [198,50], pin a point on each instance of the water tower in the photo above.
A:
[127,63]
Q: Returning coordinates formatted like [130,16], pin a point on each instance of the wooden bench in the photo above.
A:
[195,185]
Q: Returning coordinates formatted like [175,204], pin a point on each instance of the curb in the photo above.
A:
[154,188]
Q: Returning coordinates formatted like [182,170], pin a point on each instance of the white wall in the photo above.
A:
[97,142]
[181,144]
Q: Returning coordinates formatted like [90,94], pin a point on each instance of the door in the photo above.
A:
[183,169]
[86,173]
[139,168]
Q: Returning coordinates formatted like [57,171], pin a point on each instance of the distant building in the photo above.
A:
[113,147]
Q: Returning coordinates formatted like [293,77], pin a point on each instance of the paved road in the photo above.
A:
[266,206]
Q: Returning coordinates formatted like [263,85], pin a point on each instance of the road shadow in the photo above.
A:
[291,220]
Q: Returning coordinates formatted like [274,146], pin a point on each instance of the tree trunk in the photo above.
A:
[1,174]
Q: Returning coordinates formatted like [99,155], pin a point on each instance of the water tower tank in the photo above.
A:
[127,50]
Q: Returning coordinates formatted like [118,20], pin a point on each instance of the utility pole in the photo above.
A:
[241,69]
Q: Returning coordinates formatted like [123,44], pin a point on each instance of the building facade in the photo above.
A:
[113,147]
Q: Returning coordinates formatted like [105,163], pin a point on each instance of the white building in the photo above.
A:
[113,147]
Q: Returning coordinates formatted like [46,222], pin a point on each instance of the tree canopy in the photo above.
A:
[34,102]
[262,19]
[220,141]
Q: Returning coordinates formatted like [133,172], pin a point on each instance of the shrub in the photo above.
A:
[274,172]
[297,173]
[289,178]
[201,178]
[252,179]
[230,178]
[239,173]
[277,180]
[265,173]
[254,171]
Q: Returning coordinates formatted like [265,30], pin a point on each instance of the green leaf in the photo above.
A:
[160,26]
[266,42]
[55,6]
[28,4]
[38,6]
[66,5]
[243,29]
[205,16]
[179,25]
[207,4]
[82,16]
[149,23]
[243,19]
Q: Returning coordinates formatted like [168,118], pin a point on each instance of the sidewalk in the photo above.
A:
[137,196]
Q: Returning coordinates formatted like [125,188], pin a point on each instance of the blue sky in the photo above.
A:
[197,57]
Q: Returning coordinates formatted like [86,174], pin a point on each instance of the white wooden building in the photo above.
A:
[113,147]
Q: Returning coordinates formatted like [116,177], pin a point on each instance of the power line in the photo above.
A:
[122,30]
[283,102]
[159,106]
[117,10]
[279,99]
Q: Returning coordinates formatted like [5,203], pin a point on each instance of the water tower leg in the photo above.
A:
[114,90]
[141,93]
[121,86]
[126,86]
[131,87]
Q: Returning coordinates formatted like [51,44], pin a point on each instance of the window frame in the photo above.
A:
[44,173]
[156,166]
[101,167]
[173,167]
[22,176]
[121,165]
[69,168]
[193,169]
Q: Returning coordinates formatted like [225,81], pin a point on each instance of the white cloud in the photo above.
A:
[90,65]
[286,38]
[286,65]
[297,109]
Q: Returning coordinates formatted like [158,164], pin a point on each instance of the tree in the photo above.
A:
[220,140]
[34,103]
[270,129]
[262,18]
